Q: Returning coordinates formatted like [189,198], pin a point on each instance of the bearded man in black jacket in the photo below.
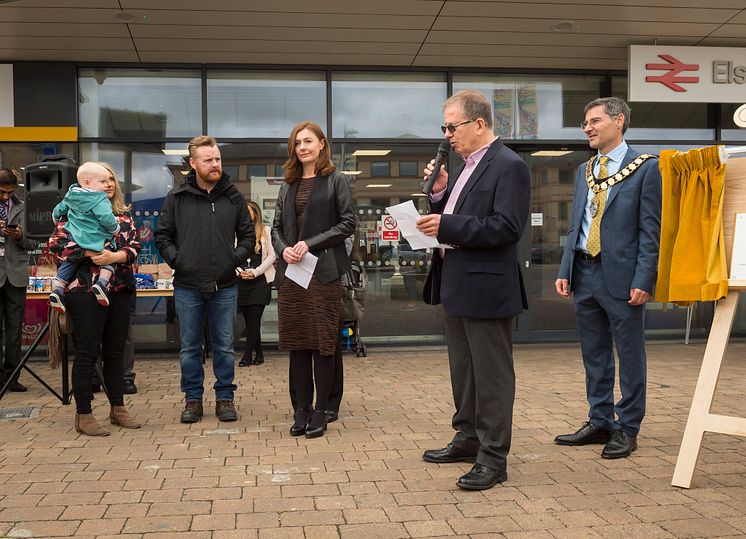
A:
[204,232]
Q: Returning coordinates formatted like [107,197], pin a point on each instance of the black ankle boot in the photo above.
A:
[259,356]
[245,361]
[300,421]
[317,425]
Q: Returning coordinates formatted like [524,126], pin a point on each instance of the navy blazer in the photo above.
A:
[630,229]
[481,276]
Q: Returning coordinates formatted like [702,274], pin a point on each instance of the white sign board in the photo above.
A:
[738,256]
[537,219]
[687,74]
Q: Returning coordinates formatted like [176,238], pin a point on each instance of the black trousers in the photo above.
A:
[12,304]
[337,389]
[252,315]
[480,355]
[310,368]
[98,330]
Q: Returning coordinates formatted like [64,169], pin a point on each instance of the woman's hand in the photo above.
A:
[108,257]
[289,256]
[247,275]
[300,249]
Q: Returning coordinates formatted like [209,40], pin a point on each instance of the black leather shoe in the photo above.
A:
[129,387]
[192,412]
[317,424]
[17,387]
[333,416]
[619,446]
[481,477]
[587,434]
[245,362]
[300,421]
[258,360]
[448,454]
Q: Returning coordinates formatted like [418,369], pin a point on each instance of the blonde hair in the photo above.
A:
[89,169]
[258,224]
[197,142]
[117,200]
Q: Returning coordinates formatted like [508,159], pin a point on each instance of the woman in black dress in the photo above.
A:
[254,291]
[314,214]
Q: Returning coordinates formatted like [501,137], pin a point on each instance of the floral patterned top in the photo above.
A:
[63,248]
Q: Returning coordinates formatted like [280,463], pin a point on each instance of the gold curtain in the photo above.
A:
[692,265]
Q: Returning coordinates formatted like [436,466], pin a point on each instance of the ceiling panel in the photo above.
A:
[296,58]
[445,33]
[403,7]
[288,47]
[65,42]
[525,50]
[559,39]
[287,33]
[113,30]
[13,14]
[520,62]
[734,4]
[740,18]
[300,20]
[652,29]
[83,55]
[606,14]
[731,30]
[66,4]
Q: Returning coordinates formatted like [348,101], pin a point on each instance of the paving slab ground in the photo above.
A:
[365,478]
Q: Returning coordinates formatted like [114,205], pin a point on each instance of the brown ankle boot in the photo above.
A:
[120,416]
[87,424]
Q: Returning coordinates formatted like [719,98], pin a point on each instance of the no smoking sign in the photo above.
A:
[389,229]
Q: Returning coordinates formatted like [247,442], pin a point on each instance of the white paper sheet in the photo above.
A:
[738,255]
[406,215]
[302,272]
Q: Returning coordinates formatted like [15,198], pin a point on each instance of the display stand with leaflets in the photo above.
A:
[700,419]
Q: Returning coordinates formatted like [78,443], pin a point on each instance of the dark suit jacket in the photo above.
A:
[481,276]
[328,219]
[15,269]
[630,229]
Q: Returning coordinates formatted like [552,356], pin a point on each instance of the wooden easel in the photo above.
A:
[700,419]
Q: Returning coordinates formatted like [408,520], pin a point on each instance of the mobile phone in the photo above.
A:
[12,226]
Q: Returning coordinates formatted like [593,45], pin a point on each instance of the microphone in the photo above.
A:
[443,149]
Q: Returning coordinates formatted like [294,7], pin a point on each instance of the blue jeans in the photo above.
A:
[220,307]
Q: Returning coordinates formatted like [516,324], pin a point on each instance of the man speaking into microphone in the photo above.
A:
[481,213]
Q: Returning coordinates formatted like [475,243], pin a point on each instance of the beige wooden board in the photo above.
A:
[735,199]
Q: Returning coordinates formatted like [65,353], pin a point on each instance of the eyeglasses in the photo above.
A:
[452,127]
[593,122]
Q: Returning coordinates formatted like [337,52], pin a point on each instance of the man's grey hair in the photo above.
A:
[613,106]
[474,104]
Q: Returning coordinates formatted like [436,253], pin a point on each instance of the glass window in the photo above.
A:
[140,104]
[408,168]
[263,105]
[378,105]
[380,169]
[396,273]
[535,106]
[664,121]
[730,130]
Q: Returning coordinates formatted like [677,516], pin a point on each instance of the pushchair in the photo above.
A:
[353,308]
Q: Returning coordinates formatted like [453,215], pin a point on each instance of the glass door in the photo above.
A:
[553,174]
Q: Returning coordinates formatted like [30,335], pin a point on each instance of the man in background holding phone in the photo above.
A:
[14,249]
